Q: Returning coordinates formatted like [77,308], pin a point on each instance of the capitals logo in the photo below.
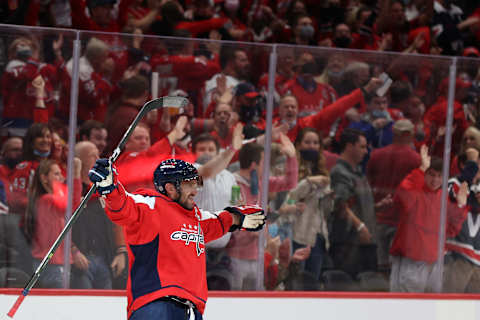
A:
[190,234]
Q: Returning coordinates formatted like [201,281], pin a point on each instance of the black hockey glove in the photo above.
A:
[252,217]
[104,175]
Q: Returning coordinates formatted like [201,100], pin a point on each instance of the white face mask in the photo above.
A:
[232,5]
[204,158]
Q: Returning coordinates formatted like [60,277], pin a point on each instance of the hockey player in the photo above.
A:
[166,234]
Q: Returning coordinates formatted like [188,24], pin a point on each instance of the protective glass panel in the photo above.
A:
[219,80]
[34,132]
[360,217]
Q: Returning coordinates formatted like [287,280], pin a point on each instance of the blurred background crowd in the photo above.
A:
[353,169]
[446,27]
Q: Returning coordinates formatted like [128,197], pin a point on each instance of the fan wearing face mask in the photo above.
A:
[376,123]
[27,86]
[313,190]
[311,95]
[303,31]
[37,146]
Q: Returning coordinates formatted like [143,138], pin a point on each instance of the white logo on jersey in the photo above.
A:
[187,237]
[190,234]
[473,227]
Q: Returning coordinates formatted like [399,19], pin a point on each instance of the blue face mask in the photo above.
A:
[254,182]
[41,154]
[306,32]
[378,114]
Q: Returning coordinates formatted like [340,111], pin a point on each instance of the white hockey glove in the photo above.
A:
[104,175]
[252,218]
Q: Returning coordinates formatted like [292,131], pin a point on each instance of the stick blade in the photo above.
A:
[167,101]
[179,102]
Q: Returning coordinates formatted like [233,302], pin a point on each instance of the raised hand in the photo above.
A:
[39,85]
[179,129]
[237,138]
[373,85]
[472,154]
[425,158]
[462,194]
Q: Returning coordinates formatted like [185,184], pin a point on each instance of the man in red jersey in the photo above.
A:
[166,234]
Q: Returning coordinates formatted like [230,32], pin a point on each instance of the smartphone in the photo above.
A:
[387,82]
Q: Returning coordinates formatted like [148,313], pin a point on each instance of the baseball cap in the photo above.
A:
[403,125]
[96,3]
[246,89]
[471,52]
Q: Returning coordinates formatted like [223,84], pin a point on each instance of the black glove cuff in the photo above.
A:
[235,211]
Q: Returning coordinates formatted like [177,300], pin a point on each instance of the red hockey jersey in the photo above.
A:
[18,93]
[18,182]
[166,245]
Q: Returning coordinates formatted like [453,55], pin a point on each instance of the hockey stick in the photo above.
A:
[178,102]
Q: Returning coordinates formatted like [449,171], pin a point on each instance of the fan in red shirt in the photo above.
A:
[436,117]
[173,18]
[138,13]
[24,81]
[37,146]
[232,10]
[94,89]
[100,15]
[392,20]
[415,245]
[311,96]
[139,153]
[181,69]
[284,73]
[121,114]
[324,119]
